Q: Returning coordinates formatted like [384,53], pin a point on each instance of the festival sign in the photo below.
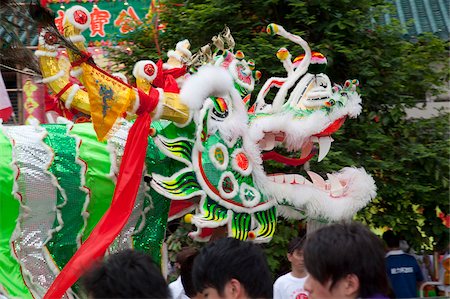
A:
[110,20]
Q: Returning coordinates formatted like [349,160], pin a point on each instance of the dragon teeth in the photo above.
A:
[335,186]
[324,147]
[268,142]
[316,179]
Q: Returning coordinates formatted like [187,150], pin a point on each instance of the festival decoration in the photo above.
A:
[33,95]
[110,20]
[75,198]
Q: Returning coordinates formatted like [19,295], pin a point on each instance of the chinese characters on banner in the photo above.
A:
[109,20]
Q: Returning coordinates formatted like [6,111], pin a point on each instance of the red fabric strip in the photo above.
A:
[287,160]
[130,175]
[65,88]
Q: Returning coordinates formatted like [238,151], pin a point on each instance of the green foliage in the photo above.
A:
[408,158]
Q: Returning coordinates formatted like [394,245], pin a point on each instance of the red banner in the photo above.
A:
[33,100]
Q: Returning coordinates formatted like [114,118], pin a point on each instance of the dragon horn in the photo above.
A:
[273,29]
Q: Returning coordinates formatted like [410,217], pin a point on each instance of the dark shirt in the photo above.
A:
[404,273]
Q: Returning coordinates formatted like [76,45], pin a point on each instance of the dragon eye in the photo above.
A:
[220,108]
[323,84]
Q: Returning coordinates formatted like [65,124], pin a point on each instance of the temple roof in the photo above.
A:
[419,16]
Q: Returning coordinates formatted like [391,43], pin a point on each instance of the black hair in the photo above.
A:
[186,274]
[296,244]
[391,239]
[337,250]
[127,274]
[229,258]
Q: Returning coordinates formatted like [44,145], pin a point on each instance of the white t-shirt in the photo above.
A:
[176,289]
[289,287]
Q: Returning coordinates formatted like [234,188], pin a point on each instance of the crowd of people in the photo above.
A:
[345,261]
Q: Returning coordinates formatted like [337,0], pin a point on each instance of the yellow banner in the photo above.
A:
[109,98]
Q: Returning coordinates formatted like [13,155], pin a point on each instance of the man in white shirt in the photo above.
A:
[176,288]
[290,285]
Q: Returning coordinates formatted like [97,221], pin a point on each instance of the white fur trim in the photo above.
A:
[43,44]
[173,54]
[244,172]
[180,47]
[40,53]
[77,38]
[76,72]
[160,107]
[167,66]
[68,16]
[120,76]
[86,190]
[188,121]
[234,72]
[228,174]
[71,95]
[318,203]
[64,121]
[139,70]
[114,168]
[208,81]
[212,156]
[310,125]
[245,201]
[137,102]
[52,78]
[196,236]
[230,142]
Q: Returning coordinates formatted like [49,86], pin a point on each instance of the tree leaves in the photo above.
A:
[409,158]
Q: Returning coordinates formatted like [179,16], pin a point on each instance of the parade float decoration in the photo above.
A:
[71,192]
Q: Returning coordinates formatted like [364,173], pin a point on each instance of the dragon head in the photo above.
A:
[231,142]
[294,122]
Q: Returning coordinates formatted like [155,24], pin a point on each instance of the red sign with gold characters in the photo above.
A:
[110,20]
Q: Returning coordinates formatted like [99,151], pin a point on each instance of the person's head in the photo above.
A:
[345,261]
[127,274]
[391,239]
[186,274]
[295,254]
[229,268]
[184,253]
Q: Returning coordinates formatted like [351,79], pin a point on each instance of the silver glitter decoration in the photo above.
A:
[124,239]
[38,206]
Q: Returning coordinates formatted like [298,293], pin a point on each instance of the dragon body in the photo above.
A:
[205,157]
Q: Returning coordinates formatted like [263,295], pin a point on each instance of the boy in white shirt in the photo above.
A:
[290,285]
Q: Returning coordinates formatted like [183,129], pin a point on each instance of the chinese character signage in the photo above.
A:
[110,20]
